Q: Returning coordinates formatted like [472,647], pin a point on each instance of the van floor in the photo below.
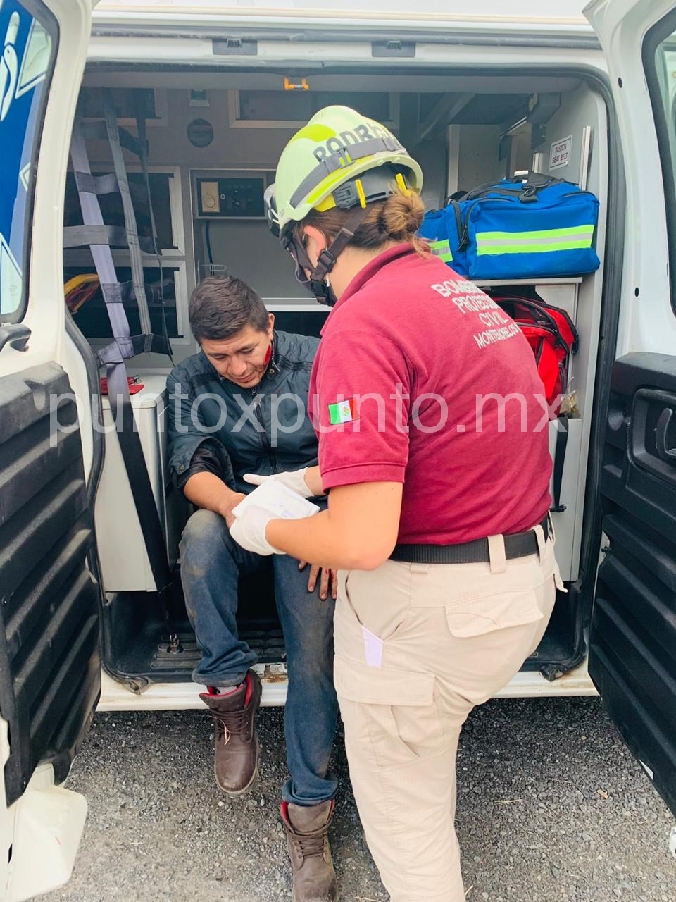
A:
[136,641]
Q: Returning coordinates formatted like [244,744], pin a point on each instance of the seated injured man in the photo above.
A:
[238,407]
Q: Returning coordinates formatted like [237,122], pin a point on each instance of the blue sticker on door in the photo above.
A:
[24,62]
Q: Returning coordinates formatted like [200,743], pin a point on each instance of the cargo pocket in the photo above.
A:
[381,620]
[394,711]
[485,614]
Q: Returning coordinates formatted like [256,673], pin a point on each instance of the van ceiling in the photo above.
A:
[396,82]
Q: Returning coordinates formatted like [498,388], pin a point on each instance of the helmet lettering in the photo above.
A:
[349,138]
[339,145]
[363,133]
[335,147]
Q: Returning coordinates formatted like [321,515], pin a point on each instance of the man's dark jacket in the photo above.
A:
[235,430]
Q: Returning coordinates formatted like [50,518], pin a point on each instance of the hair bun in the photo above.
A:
[402,215]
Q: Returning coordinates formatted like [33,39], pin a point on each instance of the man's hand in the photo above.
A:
[229,503]
[326,577]
[206,490]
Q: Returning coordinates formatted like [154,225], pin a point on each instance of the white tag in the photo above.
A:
[373,648]
[278,500]
[559,153]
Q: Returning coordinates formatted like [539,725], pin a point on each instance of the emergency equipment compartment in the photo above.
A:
[214,136]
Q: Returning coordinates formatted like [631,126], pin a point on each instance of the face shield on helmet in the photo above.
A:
[343,160]
[295,249]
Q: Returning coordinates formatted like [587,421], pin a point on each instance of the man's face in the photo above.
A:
[243,358]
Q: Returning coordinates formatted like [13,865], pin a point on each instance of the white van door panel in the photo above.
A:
[632,657]
[645,322]
[49,600]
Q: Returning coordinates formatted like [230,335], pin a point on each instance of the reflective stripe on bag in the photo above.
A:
[539,242]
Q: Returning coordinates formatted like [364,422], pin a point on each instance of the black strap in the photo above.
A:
[520,544]
[146,506]
[559,461]
[328,257]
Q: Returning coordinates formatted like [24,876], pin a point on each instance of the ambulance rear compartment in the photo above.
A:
[214,139]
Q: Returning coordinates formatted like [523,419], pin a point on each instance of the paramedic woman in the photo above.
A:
[433,445]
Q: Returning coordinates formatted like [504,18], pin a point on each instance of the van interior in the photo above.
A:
[214,138]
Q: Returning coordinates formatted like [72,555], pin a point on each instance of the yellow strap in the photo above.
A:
[401,183]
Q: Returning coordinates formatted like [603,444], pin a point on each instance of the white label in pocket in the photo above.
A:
[373,648]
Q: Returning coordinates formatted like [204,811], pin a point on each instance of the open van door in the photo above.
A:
[49,600]
[633,630]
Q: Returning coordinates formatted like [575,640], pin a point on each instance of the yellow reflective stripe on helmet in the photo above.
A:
[330,182]
[314,131]
[327,204]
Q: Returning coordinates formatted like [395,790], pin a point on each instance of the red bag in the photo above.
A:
[552,336]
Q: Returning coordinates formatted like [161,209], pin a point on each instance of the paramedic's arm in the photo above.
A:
[313,478]
[357,532]
[207,490]
[363,461]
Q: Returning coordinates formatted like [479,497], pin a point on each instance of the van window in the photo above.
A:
[659,59]
[27,36]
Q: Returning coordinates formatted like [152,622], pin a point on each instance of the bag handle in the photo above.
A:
[547,321]
[527,185]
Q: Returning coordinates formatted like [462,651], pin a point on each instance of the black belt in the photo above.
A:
[518,544]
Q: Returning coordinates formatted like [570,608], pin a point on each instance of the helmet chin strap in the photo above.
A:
[318,283]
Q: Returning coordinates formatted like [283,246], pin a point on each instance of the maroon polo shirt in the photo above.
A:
[420,378]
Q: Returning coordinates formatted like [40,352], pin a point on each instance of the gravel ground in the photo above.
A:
[550,807]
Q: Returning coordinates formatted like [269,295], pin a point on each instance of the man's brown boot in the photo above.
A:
[314,879]
[236,756]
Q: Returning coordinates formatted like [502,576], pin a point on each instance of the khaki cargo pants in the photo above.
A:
[417,647]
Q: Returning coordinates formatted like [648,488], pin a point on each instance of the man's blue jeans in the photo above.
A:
[211,563]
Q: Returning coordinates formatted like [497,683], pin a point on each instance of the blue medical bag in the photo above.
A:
[520,228]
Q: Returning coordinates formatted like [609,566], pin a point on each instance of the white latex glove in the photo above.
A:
[248,529]
[292,479]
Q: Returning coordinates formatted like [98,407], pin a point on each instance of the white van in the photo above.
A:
[204,97]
